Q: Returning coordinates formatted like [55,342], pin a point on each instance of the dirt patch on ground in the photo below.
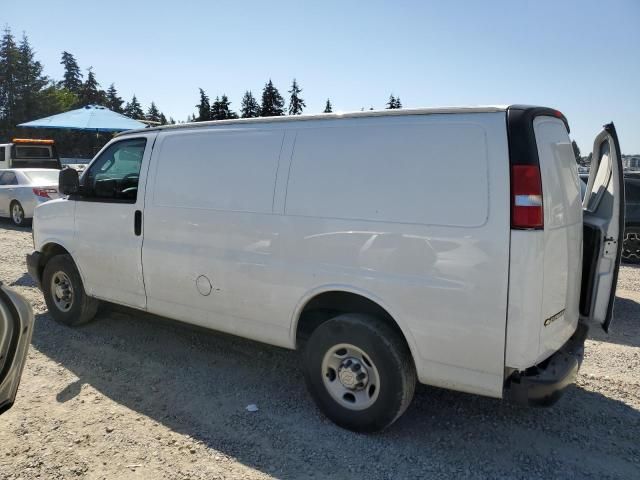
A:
[134,396]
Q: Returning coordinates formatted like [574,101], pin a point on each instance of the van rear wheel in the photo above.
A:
[359,371]
[64,292]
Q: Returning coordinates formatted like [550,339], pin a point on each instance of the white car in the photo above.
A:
[443,246]
[23,189]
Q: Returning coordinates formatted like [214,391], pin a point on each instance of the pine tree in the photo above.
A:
[90,93]
[398,103]
[249,107]
[272,101]
[328,108]
[215,114]
[72,74]
[133,109]
[30,82]
[163,119]
[391,104]
[220,109]
[204,108]
[112,100]
[576,151]
[153,114]
[296,104]
[9,66]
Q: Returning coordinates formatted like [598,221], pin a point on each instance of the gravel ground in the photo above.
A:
[134,396]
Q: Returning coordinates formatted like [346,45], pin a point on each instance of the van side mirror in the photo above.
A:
[68,181]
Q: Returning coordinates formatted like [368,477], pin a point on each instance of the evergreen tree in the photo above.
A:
[576,150]
[30,83]
[296,104]
[133,109]
[9,66]
[153,114]
[328,108]
[72,75]
[171,121]
[163,119]
[90,93]
[220,109]
[113,101]
[272,101]
[215,114]
[249,107]
[204,108]
[393,103]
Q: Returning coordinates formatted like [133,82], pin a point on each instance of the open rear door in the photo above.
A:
[603,217]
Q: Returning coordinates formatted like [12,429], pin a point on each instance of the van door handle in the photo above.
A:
[137,222]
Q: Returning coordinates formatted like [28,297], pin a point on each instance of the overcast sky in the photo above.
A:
[582,57]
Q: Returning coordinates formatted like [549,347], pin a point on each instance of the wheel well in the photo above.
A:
[327,305]
[49,251]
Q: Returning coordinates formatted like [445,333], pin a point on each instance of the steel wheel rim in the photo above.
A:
[631,246]
[350,376]
[62,291]
[17,213]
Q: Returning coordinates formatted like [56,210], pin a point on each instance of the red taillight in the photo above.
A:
[526,197]
[43,192]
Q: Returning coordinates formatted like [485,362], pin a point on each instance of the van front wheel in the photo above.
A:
[359,371]
[64,293]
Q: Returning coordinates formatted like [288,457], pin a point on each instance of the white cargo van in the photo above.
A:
[445,246]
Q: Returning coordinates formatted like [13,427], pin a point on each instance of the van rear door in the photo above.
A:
[603,218]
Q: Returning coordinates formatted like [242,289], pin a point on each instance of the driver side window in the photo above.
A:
[114,175]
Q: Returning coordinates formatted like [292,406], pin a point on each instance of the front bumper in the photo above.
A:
[543,384]
[33,266]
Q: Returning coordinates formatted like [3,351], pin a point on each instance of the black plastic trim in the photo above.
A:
[523,149]
[543,384]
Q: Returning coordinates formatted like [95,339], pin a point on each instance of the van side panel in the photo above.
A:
[409,211]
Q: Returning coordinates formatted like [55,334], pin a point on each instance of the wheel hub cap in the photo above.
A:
[353,374]
[62,291]
[350,376]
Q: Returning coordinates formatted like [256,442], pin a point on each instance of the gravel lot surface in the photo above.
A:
[135,396]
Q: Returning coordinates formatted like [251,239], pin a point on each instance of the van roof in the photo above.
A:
[327,116]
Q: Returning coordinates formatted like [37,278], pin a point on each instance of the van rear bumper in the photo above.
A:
[543,384]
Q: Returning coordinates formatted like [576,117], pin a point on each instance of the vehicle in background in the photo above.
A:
[354,238]
[631,242]
[631,245]
[16,328]
[29,153]
[23,189]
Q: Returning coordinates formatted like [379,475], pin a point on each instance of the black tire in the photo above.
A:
[17,220]
[385,348]
[81,308]
[631,245]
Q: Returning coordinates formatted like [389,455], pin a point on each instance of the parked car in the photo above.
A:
[22,189]
[16,328]
[355,239]
[631,243]
[29,153]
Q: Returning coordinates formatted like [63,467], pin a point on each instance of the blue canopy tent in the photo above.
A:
[92,117]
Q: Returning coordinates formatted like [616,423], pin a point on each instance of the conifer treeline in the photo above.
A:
[27,94]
